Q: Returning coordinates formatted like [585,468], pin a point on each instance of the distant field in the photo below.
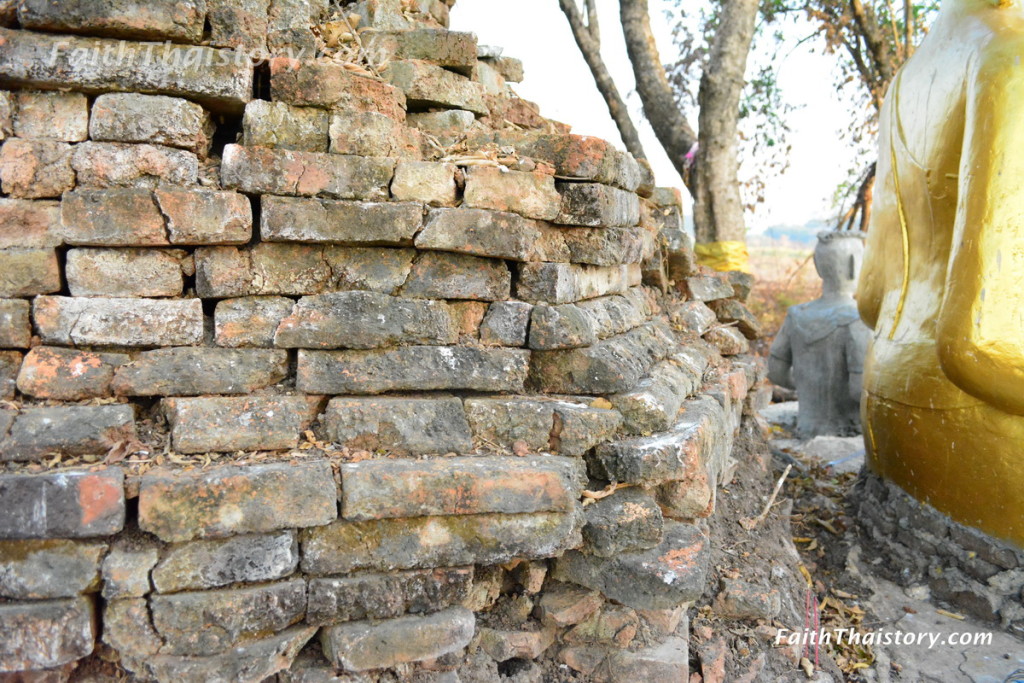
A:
[785,277]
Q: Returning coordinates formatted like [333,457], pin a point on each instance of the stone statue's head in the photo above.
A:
[838,258]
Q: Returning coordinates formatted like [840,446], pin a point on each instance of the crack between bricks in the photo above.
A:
[163,214]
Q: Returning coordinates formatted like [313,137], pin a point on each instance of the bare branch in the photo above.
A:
[591,51]
[593,25]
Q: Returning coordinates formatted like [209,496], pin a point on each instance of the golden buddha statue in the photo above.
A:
[943,277]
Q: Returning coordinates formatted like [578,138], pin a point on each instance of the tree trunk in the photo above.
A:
[718,207]
[588,39]
[673,130]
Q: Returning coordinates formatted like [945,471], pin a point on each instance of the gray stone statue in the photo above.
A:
[821,347]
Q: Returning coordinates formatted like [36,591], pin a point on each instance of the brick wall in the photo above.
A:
[312,364]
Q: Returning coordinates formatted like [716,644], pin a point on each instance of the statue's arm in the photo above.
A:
[780,360]
[981,325]
[856,351]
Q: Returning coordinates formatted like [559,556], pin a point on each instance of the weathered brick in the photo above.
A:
[491,79]
[15,329]
[663,577]
[113,218]
[27,272]
[531,195]
[451,49]
[214,78]
[692,317]
[53,372]
[708,287]
[40,431]
[6,98]
[610,366]
[542,426]
[426,542]
[242,423]
[210,622]
[223,501]
[732,312]
[579,156]
[495,234]
[593,205]
[412,368]
[10,365]
[73,504]
[382,489]
[253,660]
[605,247]
[197,216]
[654,404]
[238,24]
[290,24]
[694,440]
[566,604]
[144,19]
[627,520]
[29,224]
[45,634]
[400,425]
[440,275]
[372,134]
[152,119]
[426,85]
[194,371]
[250,321]
[282,126]
[728,340]
[385,596]
[425,181]
[505,324]
[447,126]
[364,320]
[125,272]
[72,321]
[561,283]
[126,568]
[128,628]
[510,68]
[581,324]
[214,563]
[43,570]
[669,661]
[116,164]
[35,169]
[257,170]
[330,85]
[297,269]
[365,645]
[293,219]
[52,115]
[612,625]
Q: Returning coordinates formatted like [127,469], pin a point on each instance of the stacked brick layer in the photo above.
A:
[307,366]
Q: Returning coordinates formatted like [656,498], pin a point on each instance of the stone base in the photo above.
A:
[972,572]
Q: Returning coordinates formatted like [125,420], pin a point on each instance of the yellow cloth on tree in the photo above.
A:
[724,256]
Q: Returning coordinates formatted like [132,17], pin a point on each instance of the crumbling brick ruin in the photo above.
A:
[244,298]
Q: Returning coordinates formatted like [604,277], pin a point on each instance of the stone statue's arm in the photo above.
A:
[780,360]
[981,325]
[856,350]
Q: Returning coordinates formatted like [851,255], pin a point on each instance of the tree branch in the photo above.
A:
[592,21]
[591,51]
[671,127]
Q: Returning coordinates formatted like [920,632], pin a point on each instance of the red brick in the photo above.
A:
[180,505]
[531,195]
[29,224]
[154,119]
[34,169]
[73,504]
[53,372]
[380,489]
[329,85]
[193,371]
[197,216]
[200,425]
[115,164]
[40,432]
[113,218]
[10,365]
[177,20]
[250,321]
[46,633]
[71,321]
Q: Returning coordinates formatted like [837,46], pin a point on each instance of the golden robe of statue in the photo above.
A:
[943,277]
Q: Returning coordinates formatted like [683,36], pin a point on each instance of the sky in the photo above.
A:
[558,79]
